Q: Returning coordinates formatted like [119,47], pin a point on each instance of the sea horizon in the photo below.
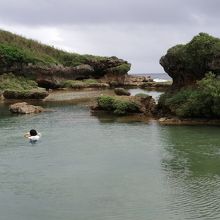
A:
[155,76]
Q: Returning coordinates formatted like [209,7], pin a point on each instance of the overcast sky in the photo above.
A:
[139,31]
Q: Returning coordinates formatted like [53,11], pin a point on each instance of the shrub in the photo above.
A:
[200,101]
[117,106]
[122,107]
[106,102]
[121,69]
[195,56]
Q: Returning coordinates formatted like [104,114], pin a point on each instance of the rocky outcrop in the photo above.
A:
[52,77]
[50,66]
[125,105]
[147,105]
[13,94]
[137,81]
[160,86]
[25,108]
[186,64]
[121,91]
[193,121]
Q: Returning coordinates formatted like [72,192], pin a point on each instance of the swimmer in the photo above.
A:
[33,136]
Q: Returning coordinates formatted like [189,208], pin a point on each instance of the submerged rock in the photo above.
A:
[25,108]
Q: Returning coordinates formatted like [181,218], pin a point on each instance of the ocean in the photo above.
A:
[157,77]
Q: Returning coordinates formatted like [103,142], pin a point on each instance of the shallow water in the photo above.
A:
[154,94]
[86,167]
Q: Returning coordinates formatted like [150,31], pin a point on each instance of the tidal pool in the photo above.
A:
[98,168]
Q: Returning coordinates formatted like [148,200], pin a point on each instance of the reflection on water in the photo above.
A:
[86,167]
[191,162]
[154,94]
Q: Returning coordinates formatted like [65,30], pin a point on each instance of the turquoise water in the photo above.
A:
[86,167]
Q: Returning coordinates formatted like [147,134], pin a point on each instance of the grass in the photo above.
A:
[12,82]
[16,48]
[80,84]
[90,81]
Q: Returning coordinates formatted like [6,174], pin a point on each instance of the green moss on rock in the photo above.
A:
[12,82]
[25,94]
[117,106]
[188,63]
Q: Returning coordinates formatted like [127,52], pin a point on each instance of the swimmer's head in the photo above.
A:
[33,132]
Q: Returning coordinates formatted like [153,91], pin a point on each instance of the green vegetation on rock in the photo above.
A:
[117,106]
[74,84]
[196,55]
[190,62]
[200,101]
[121,69]
[12,82]
[19,87]
[90,81]
[14,48]
[106,102]
[80,84]
[25,94]
[19,49]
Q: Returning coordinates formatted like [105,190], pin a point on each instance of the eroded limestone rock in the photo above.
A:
[25,108]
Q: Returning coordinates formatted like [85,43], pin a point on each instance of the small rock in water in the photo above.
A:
[25,108]
[121,91]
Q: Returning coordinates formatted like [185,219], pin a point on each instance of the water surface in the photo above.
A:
[92,168]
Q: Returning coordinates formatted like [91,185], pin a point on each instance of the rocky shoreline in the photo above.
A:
[88,97]
[188,121]
[193,93]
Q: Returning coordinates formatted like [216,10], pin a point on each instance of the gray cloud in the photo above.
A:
[101,11]
[137,30]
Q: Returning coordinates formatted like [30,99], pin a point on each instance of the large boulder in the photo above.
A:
[25,108]
[186,64]
[147,104]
